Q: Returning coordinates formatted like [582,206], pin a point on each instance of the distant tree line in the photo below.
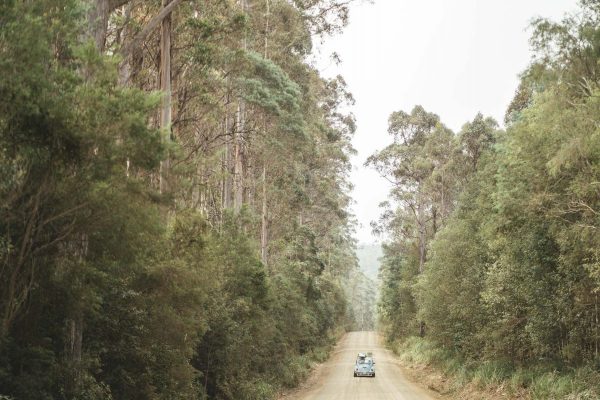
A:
[494,235]
[173,198]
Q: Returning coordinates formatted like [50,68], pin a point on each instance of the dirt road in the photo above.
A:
[335,379]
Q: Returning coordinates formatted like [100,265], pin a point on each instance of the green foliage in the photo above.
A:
[111,290]
[268,86]
[510,284]
[539,381]
[69,217]
[361,292]
[397,305]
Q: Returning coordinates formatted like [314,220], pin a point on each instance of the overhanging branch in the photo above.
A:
[138,40]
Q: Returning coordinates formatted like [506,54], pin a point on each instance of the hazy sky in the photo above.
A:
[454,57]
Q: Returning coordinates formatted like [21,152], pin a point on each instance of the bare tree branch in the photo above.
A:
[138,40]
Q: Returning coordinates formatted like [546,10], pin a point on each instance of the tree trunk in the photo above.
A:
[75,342]
[125,66]
[75,325]
[443,206]
[267,17]
[165,87]
[597,325]
[422,245]
[238,143]
[73,353]
[98,13]
[137,42]
[238,169]
[422,235]
[227,161]
[263,231]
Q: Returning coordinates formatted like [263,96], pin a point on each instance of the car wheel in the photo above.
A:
[355,374]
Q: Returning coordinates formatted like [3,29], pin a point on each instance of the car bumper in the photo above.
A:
[364,373]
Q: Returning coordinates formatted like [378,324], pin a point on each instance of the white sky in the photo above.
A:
[454,57]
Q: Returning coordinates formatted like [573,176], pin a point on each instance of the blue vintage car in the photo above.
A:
[365,365]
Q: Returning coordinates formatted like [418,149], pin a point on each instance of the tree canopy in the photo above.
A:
[493,234]
[173,198]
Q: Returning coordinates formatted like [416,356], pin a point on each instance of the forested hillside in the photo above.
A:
[173,198]
[494,250]
[369,259]
[363,289]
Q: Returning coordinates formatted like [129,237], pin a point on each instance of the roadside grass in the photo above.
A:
[298,368]
[461,379]
[292,372]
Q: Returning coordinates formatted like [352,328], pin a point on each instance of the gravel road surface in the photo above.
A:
[335,380]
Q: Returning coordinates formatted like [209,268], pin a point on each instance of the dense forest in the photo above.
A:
[173,198]
[369,256]
[493,249]
[174,208]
